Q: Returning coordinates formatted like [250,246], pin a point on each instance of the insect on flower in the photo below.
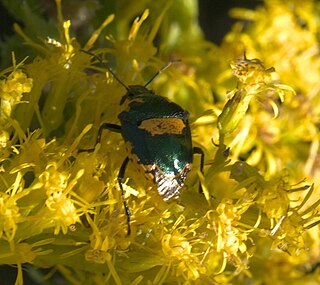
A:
[157,136]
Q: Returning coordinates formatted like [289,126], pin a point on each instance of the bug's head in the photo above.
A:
[134,91]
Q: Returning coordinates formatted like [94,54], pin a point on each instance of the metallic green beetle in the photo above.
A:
[157,136]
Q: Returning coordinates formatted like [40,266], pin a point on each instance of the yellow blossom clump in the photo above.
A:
[12,89]
[9,217]
[250,217]
[57,189]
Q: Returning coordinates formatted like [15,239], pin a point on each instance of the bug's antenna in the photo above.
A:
[161,70]
[106,66]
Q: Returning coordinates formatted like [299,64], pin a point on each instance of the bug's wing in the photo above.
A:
[165,158]
[158,137]
[169,152]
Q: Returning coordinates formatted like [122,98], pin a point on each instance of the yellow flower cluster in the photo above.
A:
[60,201]
[57,189]
[12,89]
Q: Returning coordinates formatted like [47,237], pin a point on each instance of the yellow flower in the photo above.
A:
[251,73]
[179,252]
[12,89]
[57,187]
[254,81]
[9,215]
[230,239]
[274,199]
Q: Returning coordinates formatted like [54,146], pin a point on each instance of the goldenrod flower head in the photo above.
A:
[274,199]
[231,240]
[12,89]
[61,204]
[101,243]
[178,250]
[9,215]
[251,72]
[57,188]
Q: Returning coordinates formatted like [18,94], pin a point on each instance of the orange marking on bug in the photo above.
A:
[160,126]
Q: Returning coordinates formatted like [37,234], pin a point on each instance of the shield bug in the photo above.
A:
[157,136]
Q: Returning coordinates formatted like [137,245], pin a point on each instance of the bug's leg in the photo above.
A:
[198,150]
[120,180]
[106,126]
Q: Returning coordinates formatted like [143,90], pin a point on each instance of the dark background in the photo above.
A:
[215,22]
[214,18]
